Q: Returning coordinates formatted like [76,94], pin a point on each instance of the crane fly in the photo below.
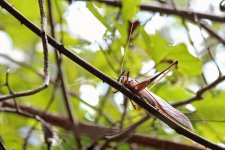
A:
[140,88]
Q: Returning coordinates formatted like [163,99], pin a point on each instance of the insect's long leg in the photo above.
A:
[163,75]
[140,86]
[128,74]
[132,104]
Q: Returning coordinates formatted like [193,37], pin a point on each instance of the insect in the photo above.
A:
[140,88]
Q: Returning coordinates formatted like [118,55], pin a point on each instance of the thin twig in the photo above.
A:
[209,52]
[45,49]
[101,106]
[62,81]
[25,65]
[91,130]
[212,32]
[9,88]
[125,105]
[43,35]
[189,14]
[44,40]
[200,92]
[42,114]
[179,129]
[2,146]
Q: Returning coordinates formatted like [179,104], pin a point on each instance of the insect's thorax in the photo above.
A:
[128,82]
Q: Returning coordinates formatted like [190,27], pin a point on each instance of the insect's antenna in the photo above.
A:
[121,75]
[125,51]
[145,83]
[128,74]
[163,73]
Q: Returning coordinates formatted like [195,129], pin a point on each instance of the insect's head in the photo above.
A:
[123,78]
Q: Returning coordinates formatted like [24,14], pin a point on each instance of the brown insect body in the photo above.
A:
[155,101]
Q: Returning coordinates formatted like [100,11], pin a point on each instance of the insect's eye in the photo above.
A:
[122,79]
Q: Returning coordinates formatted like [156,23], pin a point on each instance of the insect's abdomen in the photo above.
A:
[157,102]
[169,110]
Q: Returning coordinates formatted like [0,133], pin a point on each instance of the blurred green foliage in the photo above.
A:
[142,47]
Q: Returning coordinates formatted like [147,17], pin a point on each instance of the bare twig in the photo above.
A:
[200,92]
[44,41]
[9,88]
[125,105]
[42,114]
[179,129]
[93,131]
[22,64]
[46,72]
[189,14]
[2,146]
[73,94]
[124,134]
[44,44]
[63,86]
[212,32]
[209,52]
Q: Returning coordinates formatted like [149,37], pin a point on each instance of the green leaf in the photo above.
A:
[123,30]
[159,49]
[102,19]
[111,108]
[133,62]
[188,64]
[129,9]
[101,62]
[211,107]
[170,92]
[156,47]
[24,8]
[209,118]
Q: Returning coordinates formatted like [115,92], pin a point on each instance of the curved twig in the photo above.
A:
[62,81]
[179,129]
[43,36]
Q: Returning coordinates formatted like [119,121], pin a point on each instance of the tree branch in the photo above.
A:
[94,131]
[43,36]
[73,94]
[200,92]
[212,32]
[189,14]
[179,129]
[62,80]
[2,146]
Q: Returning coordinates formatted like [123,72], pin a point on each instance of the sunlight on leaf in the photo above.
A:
[102,19]
[129,9]
[209,117]
[188,64]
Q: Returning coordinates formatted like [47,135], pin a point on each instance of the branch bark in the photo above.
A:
[63,87]
[179,129]
[94,131]
[189,14]
[200,92]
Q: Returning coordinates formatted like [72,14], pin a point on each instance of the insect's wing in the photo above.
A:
[172,112]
